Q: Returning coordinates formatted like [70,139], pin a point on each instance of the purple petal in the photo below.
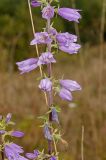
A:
[53,31]
[70,48]
[27,65]
[41,38]
[46,58]
[8,117]
[64,38]
[70,85]
[47,133]
[30,155]
[16,148]
[45,85]
[65,94]
[17,134]
[35,3]
[48,12]
[54,115]
[69,14]
[53,158]
[36,152]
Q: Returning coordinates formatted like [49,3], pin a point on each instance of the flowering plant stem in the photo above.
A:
[50,96]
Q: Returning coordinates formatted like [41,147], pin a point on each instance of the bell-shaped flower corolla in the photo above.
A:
[35,3]
[63,38]
[41,38]
[45,85]
[48,12]
[54,115]
[70,85]
[17,134]
[65,94]
[66,87]
[70,48]
[27,65]
[69,14]
[46,58]
[13,151]
[33,155]
[47,133]
[8,118]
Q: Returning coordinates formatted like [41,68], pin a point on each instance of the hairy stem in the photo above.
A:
[50,95]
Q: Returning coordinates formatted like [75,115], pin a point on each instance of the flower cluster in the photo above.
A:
[65,42]
[10,150]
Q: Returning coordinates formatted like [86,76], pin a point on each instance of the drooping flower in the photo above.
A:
[54,115]
[46,58]
[41,38]
[64,38]
[53,158]
[17,134]
[45,85]
[35,3]
[69,14]
[13,151]
[70,48]
[65,94]
[48,12]
[33,155]
[8,117]
[27,65]
[47,133]
[66,87]
[70,85]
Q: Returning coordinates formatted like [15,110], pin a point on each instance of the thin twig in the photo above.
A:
[33,28]
[37,51]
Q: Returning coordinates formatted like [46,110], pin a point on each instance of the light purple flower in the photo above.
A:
[65,94]
[8,117]
[35,3]
[46,58]
[70,48]
[48,12]
[17,134]
[32,155]
[54,115]
[53,31]
[53,158]
[45,85]
[47,133]
[27,65]
[64,38]
[69,14]
[2,131]
[13,151]
[41,38]
[70,85]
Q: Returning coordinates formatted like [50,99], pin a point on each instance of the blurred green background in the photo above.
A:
[19,94]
